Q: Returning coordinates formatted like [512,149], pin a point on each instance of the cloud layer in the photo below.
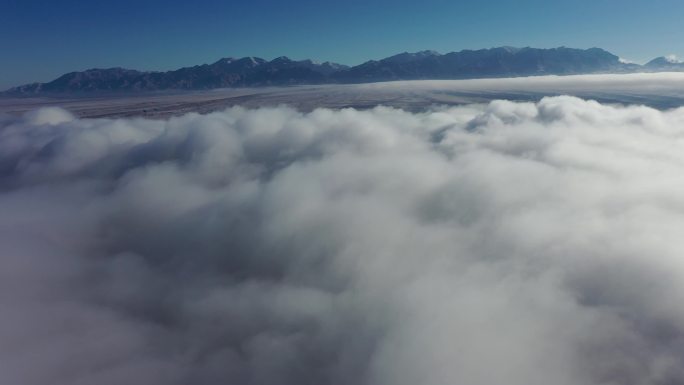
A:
[513,243]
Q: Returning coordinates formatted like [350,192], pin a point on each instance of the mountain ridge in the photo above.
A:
[282,71]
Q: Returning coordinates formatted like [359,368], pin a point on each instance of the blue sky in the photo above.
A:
[41,39]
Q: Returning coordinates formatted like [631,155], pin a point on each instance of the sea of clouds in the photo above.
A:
[509,243]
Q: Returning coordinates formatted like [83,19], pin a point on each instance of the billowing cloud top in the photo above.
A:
[673,59]
[508,243]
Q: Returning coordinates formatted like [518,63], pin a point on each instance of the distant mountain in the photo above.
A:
[254,72]
[227,72]
[495,62]
[110,79]
[665,63]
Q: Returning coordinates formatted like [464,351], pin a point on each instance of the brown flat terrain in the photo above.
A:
[658,90]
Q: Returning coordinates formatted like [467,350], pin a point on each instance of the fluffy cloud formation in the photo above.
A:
[514,243]
[661,90]
[672,58]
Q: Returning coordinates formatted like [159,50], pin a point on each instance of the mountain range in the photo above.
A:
[255,72]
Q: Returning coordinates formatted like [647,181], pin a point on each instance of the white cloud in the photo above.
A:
[673,59]
[516,243]
[657,84]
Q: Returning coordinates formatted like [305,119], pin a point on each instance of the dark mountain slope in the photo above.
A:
[254,72]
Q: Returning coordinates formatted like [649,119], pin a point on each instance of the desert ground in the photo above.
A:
[658,90]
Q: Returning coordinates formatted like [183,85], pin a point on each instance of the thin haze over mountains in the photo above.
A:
[253,71]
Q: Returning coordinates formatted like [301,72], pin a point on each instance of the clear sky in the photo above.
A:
[41,39]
